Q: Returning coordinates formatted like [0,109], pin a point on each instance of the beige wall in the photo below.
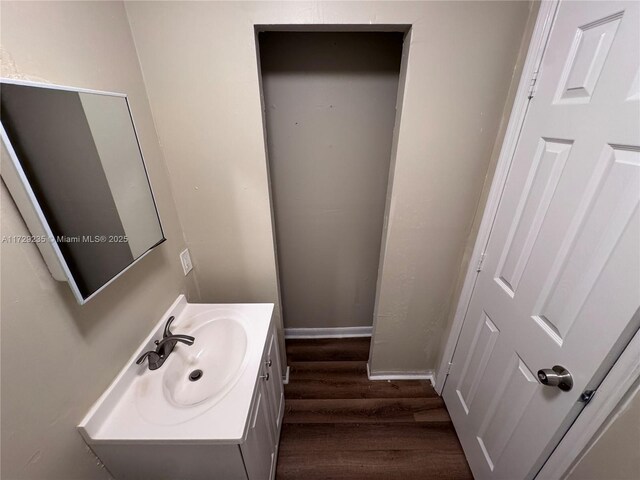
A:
[330,103]
[484,195]
[200,68]
[57,356]
[615,453]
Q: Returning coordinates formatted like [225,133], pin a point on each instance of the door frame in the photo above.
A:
[624,375]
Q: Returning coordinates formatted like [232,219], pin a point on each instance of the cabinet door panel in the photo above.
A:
[274,385]
[259,450]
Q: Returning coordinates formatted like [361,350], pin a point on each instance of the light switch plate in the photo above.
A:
[185,259]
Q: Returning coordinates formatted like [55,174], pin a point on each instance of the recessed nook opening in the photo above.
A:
[331,108]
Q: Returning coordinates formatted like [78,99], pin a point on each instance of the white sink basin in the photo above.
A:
[205,370]
[166,404]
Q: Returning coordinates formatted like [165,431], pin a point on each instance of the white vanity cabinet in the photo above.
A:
[260,448]
[139,430]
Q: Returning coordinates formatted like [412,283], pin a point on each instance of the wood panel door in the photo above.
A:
[560,283]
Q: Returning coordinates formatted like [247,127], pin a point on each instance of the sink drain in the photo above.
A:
[196,375]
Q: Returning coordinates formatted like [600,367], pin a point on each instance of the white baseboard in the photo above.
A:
[285,377]
[337,332]
[410,375]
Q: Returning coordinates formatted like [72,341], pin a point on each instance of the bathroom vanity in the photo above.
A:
[213,410]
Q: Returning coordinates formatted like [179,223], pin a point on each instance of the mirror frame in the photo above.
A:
[23,195]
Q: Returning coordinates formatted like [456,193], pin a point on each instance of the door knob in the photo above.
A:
[556,377]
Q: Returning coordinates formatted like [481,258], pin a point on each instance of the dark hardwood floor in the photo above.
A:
[339,425]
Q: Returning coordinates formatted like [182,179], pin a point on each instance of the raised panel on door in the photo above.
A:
[542,181]
[586,59]
[605,212]
[509,401]
[473,371]
[560,282]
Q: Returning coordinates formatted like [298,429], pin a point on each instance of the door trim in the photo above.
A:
[539,38]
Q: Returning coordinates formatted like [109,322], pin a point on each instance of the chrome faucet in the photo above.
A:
[164,347]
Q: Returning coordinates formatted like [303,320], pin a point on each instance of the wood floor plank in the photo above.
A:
[328,349]
[355,387]
[438,438]
[365,410]
[374,465]
[348,380]
[307,370]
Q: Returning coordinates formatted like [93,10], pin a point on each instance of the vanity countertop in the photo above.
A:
[136,407]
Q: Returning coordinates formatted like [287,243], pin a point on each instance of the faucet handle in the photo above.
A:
[186,339]
[167,331]
[153,357]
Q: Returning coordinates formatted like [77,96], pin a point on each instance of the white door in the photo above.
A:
[561,278]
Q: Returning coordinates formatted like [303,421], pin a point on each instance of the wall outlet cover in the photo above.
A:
[185,259]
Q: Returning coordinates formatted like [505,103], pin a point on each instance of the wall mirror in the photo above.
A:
[73,164]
